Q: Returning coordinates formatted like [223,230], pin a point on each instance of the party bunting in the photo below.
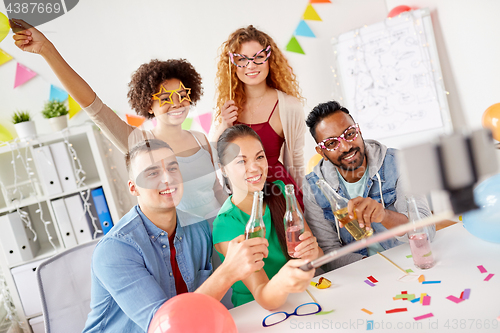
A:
[320,1]
[311,14]
[5,135]
[23,75]
[74,107]
[294,46]
[4,57]
[135,120]
[57,94]
[154,121]
[304,30]
[187,123]
[205,120]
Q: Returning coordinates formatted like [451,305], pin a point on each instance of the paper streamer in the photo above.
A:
[367,311]
[134,120]
[294,46]
[396,310]
[57,94]
[205,120]
[482,269]
[23,75]
[466,294]
[304,30]
[454,299]
[489,277]
[424,316]
[187,123]
[4,57]
[74,107]
[311,14]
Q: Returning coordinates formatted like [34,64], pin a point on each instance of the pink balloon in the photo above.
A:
[398,10]
[192,312]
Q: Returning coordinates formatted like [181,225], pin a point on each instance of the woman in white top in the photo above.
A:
[161,89]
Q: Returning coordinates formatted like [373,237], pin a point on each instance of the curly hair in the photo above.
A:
[280,76]
[147,78]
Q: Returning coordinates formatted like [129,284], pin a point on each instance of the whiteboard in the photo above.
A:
[390,76]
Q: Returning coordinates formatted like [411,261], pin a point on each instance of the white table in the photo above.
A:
[457,253]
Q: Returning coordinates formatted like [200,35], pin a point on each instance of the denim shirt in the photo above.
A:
[131,272]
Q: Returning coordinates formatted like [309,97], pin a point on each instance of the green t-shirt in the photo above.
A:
[229,224]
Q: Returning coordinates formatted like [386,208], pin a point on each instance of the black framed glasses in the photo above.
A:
[302,310]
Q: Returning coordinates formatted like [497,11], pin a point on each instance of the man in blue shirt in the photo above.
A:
[155,252]
[362,171]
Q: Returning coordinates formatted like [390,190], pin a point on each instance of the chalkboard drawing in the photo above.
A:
[389,78]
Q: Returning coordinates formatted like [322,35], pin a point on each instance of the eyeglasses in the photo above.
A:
[349,135]
[302,310]
[259,58]
[164,96]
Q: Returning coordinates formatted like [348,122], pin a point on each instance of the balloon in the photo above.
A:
[192,312]
[4,26]
[491,120]
[398,10]
[312,162]
[485,222]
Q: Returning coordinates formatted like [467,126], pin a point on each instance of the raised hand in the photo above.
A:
[27,38]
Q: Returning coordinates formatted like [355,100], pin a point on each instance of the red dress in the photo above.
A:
[272,143]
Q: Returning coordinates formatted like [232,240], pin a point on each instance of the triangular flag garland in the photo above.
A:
[135,120]
[187,123]
[154,122]
[310,14]
[294,46]
[320,1]
[303,30]
[205,121]
[57,94]
[4,57]
[23,75]
[74,107]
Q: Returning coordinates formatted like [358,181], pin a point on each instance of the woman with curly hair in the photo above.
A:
[256,86]
[159,89]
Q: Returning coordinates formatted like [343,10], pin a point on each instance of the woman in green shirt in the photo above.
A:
[244,167]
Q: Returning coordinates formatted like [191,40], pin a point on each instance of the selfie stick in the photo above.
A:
[376,239]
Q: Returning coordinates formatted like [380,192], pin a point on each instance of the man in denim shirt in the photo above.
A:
[155,252]
[364,172]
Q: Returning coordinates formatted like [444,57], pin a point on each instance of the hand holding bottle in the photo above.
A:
[308,247]
[243,257]
[366,210]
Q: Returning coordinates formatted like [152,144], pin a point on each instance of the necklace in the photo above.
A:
[253,110]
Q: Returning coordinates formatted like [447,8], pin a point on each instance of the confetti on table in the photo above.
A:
[422,297]
[401,296]
[409,256]
[424,316]
[465,294]
[409,270]
[411,297]
[396,310]
[489,277]
[421,278]
[324,312]
[462,295]
[482,269]
[431,282]
[372,279]
[369,283]
[454,299]
[415,300]
[404,292]
[427,300]
[367,311]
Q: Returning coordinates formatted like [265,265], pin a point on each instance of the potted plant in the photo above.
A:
[57,114]
[23,124]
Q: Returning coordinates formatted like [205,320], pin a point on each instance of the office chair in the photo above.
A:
[64,284]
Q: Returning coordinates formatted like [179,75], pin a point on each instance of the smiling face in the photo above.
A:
[349,156]
[171,102]
[157,180]
[247,172]
[252,74]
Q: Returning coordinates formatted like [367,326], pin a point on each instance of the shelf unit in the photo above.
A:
[104,167]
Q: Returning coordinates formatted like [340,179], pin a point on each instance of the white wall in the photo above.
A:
[105,41]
